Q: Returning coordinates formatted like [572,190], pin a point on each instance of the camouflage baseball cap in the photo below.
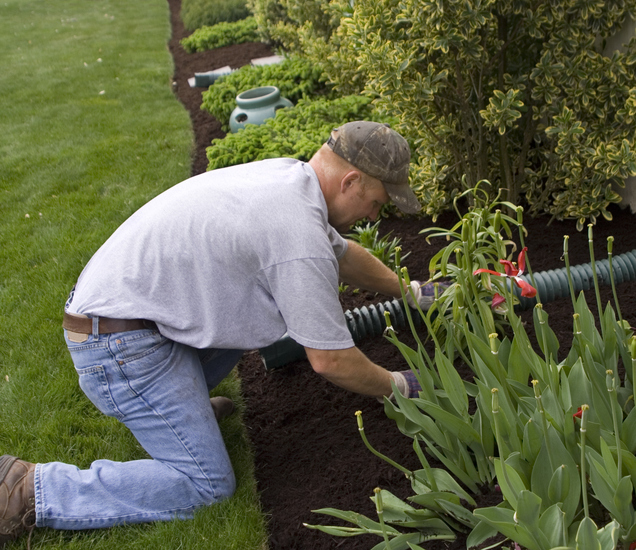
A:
[381,153]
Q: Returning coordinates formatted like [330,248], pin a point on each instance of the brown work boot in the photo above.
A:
[17,498]
[222,407]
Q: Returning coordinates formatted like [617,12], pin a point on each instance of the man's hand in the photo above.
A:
[406,383]
[423,294]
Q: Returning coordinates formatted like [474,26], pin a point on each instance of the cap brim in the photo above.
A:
[403,197]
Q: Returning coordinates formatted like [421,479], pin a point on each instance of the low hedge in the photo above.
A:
[221,34]
[295,132]
[199,13]
[295,77]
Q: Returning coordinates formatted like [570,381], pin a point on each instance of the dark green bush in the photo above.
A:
[221,34]
[199,13]
[296,78]
[295,132]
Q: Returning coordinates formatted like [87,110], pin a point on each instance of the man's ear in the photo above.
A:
[349,180]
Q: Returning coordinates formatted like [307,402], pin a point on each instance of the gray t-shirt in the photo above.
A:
[232,258]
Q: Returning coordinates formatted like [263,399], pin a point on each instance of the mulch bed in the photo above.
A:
[303,430]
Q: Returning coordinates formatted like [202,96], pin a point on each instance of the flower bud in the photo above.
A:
[493,343]
[397,255]
[359,419]
[405,275]
[465,230]
[495,400]
[387,319]
[497,221]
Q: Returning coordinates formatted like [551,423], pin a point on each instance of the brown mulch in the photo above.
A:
[303,430]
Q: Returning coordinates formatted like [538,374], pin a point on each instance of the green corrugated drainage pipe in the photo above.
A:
[552,285]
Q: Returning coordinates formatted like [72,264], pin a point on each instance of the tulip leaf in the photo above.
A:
[445,482]
[628,431]
[532,440]
[396,511]
[518,366]
[482,532]
[559,485]
[510,492]
[609,535]
[458,512]
[411,421]
[430,500]
[452,466]
[502,519]
[602,484]
[528,509]
[401,542]
[552,525]
[580,386]
[354,517]
[452,383]
[623,502]
[542,473]
[458,427]
[610,465]
[483,427]
[586,536]
[546,338]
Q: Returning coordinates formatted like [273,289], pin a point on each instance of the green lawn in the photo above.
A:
[90,130]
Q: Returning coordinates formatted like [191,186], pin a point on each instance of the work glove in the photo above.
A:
[406,383]
[423,294]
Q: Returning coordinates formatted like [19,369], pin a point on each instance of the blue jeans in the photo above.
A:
[159,390]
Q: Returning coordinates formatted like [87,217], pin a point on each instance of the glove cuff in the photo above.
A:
[400,382]
[413,299]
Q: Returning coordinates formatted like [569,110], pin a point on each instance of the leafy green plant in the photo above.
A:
[200,13]
[295,77]
[383,248]
[221,34]
[284,22]
[539,442]
[519,92]
[296,132]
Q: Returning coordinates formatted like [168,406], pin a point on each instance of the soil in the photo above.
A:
[308,452]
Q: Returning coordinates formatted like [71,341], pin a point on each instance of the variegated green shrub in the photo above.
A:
[517,92]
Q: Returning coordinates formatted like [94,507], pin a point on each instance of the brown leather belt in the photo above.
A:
[84,325]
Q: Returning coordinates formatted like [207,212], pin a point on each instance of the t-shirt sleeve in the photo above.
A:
[338,243]
[306,293]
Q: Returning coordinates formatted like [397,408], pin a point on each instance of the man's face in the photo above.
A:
[358,201]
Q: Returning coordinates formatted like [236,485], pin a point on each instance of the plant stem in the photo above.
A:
[544,422]
[566,256]
[610,243]
[584,409]
[523,245]
[632,350]
[596,288]
[402,469]
[495,414]
[380,511]
[610,381]
[425,464]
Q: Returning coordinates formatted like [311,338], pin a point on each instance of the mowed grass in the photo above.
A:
[90,130]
